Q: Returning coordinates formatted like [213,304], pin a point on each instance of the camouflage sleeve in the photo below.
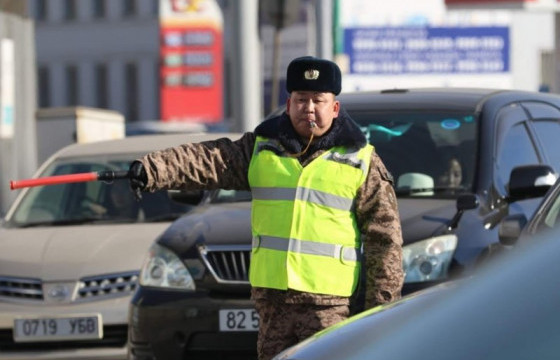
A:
[220,163]
[378,218]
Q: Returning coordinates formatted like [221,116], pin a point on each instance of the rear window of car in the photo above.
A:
[428,153]
[94,202]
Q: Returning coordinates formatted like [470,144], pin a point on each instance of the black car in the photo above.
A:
[195,290]
[451,152]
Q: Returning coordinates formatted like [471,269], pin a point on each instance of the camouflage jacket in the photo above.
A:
[224,163]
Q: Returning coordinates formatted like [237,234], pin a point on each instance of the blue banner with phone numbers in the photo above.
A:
[427,50]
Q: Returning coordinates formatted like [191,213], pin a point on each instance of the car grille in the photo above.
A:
[227,263]
[114,336]
[21,288]
[106,285]
[90,288]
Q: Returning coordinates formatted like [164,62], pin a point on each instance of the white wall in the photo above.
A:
[530,32]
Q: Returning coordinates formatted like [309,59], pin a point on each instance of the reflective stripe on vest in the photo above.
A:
[307,247]
[304,229]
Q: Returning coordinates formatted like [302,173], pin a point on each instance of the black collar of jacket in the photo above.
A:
[343,132]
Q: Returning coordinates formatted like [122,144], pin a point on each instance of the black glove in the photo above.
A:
[137,178]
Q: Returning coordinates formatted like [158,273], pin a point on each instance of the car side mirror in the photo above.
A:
[467,202]
[530,181]
[189,197]
[510,228]
[464,202]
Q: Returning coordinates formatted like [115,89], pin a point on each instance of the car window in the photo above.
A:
[516,149]
[546,124]
[431,152]
[539,110]
[94,201]
[547,131]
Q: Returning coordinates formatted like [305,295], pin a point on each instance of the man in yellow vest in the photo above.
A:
[323,206]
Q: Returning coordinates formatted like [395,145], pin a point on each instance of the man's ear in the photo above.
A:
[288,104]
[336,108]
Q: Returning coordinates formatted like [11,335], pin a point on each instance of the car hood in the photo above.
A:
[71,252]
[223,224]
[423,218]
[231,223]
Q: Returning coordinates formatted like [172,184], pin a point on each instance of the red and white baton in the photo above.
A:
[71,178]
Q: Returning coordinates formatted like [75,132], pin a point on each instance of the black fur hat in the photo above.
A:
[309,73]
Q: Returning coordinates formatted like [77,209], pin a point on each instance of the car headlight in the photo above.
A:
[428,260]
[163,268]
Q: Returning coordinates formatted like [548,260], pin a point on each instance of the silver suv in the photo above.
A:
[70,254]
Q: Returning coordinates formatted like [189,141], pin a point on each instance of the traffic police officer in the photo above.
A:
[323,207]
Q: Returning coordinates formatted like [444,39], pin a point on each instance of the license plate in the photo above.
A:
[239,320]
[58,328]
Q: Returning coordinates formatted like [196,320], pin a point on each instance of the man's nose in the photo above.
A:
[309,106]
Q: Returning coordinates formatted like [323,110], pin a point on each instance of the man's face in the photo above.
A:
[305,107]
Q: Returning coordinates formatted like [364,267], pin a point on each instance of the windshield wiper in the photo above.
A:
[64,222]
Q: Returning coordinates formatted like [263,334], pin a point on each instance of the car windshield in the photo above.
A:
[428,153]
[94,202]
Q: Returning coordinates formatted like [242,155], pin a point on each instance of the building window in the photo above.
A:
[99,8]
[131,81]
[72,85]
[40,10]
[101,88]
[69,9]
[129,8]
[44,80]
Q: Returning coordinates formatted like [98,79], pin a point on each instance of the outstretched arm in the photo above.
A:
[220,163]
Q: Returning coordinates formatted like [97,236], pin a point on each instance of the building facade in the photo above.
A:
[98,53]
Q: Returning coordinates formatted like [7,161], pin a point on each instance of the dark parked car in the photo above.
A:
[451,152]
[507,310]
[195,289]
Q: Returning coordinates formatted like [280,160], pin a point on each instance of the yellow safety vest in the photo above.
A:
[305,235]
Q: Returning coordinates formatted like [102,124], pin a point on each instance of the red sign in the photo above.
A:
[191,55]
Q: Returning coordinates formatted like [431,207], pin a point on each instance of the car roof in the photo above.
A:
[137,144]
[441,98]
[432,99]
